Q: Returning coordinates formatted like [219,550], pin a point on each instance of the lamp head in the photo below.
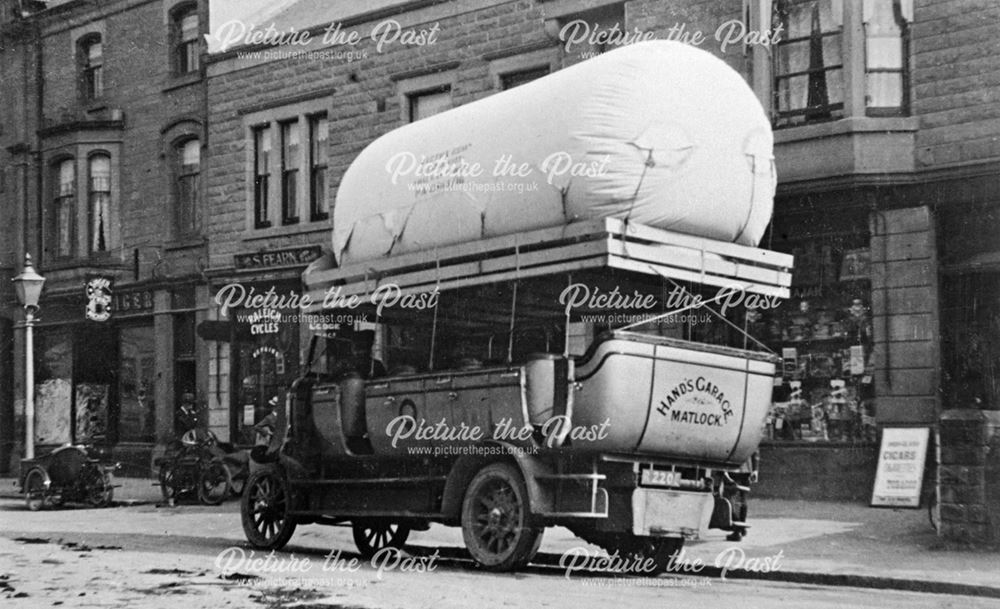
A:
[28,285]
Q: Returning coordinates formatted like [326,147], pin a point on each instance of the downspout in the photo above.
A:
[39,185]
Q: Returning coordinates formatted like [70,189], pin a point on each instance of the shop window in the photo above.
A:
[53,386]
[808,61]
[92,67]
[290,161]
[970,342]
[187,169]
[515,79]
[824,337]
[263,368]
[136,379]
[261,176]
[428,103]
[186,46]
[63,208]
[318,159]
[96,364]
[99,202]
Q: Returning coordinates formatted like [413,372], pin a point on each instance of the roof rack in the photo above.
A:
[592,244]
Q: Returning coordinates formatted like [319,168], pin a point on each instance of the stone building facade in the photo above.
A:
[103,113]
[886,146]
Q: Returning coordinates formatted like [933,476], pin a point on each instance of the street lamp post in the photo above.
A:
[28,286]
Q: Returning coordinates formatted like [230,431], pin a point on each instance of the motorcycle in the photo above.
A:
[67,474]
[200,465]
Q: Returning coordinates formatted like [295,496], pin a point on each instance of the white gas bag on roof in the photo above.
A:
[659,133]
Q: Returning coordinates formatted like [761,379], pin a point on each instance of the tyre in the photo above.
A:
[168,482]
[35,489]
[265,508]
[496,521]
[370,536]
[213,483]
[99,490]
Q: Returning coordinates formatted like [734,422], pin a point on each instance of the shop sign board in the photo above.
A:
[900,472]
[133,302]
[283,257]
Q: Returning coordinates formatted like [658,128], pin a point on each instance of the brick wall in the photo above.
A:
[956,81]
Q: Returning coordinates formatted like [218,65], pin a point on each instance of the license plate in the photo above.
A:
[656,477]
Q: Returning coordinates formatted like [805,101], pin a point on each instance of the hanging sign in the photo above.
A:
[98,293]
[900,472]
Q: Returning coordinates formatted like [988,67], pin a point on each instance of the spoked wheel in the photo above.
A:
[264,510]
[214,483]
[35,489]
[168,482]
[370,536]
[100,491]
[496,524]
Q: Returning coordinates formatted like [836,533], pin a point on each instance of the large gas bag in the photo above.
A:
[658,132]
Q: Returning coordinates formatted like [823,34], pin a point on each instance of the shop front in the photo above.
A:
[823,426]
[264,361]
[108,363]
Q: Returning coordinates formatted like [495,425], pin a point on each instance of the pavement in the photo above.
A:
[806,542]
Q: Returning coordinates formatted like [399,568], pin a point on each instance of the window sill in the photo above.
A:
[283,231]
[177,81]
[184,243]
[846,126]
[97,261]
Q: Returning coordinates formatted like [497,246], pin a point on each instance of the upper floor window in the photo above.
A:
[886,49]
[318,154]
[290,160]
[99,181]
[808,62]
[429,103]
[186,46]
[187,169]
[813,62]
[261,173]
[516,79]
[63,208]
[92,65]
[287,165]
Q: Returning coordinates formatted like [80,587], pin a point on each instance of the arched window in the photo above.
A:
[185,43]
[63,207]
[187,168]
[92,67]
[99,181]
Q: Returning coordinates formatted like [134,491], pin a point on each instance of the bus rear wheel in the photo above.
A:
[496,520]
